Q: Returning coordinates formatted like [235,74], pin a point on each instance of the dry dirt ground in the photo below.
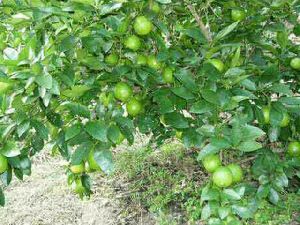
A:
[44,198]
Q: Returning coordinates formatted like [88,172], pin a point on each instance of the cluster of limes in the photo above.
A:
[123,92]
[293,147]
[90,166]
[238,15]
[222,176]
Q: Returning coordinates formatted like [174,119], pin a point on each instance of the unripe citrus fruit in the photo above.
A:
[155,7]
[77,168]
[237,172]
[152,62]
[79,189]
[238,15]
[285,121]
[178,134]
[222,177]
[211,163]
[134,107]
[266,114]
[168,75]
[112,59]
[133,42]
[123,91]
[294,149]
[141,60]
[295,63]
[142,26]
[3,164]
[92,162]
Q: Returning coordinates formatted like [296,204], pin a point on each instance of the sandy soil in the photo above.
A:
[44,198]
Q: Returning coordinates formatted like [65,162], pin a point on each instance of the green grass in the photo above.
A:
[285,212]
[168,182]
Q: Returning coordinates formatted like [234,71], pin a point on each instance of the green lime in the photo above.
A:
[222,177]
[142,25]
[123,91]
[134,107]
[211,163]
[133,42]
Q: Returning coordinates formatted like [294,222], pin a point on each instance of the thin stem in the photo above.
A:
[198,18]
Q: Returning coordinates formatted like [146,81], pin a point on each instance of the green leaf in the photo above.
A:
[114,134]
[236,136]
[281,181]
[44,81]
[76,91]
[165,105]
[183,93]
[227,30]
[97,129]
[196,34]
[77,109]
[81,152]
[249,146]
[176,120]
[10,149]
[72,131]
[251,132]
[164,1]
[54,118]
[290,100]
[250,85]
[246,212]
[263,191]
[273,196]
[215,145]
[37,143]
[191,138]
[281,89]
[206,212]
[186,78]
[236,58]
[108,8]
[235,72]
[67,43]
[223,212]
[201,107]
[276,113]
[104,160]
[23,127]
[209,194]
[41,129]
[2,198]
[282,39]
[273,134]
[211,96]
[232,194]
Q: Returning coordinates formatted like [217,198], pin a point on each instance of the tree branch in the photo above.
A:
[198,19]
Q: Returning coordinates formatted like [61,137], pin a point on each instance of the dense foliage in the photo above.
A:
[223,76]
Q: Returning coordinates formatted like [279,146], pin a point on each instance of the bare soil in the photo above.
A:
[44,198]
